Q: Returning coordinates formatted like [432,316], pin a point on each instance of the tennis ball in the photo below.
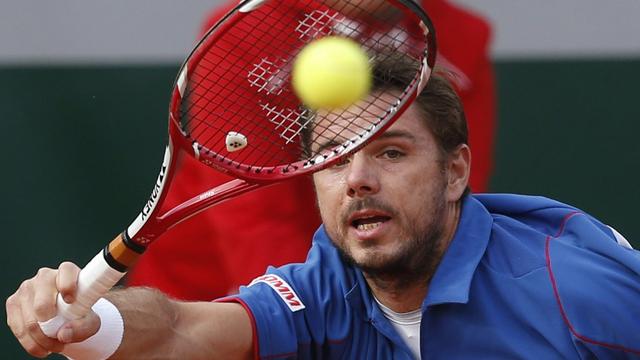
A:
[332,72]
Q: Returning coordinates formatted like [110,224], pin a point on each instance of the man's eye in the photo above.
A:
[392,154]
[343,161]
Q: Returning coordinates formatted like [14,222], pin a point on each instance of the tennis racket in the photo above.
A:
[233,109]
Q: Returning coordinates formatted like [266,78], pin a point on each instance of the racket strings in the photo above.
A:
[376,109]
[342,136]
[235,87]
[251,94]
[228,47]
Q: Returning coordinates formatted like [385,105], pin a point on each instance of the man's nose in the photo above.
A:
[362,178]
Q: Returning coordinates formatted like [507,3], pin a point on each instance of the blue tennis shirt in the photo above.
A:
[524,278]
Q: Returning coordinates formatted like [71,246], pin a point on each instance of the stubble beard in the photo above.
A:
[417,254]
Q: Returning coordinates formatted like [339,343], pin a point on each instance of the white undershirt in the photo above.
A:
[407,325]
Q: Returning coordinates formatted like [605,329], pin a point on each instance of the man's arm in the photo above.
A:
[154,325]
[157,325]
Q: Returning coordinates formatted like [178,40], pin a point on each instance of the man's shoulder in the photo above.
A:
[527,216]
[596,284]
[529,231]
[520,226]
[538,216]
[514,204]
[530,216]
[593,280]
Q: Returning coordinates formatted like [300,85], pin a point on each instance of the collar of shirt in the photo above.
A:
[452,280]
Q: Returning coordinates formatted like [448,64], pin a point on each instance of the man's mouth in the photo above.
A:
[368,222]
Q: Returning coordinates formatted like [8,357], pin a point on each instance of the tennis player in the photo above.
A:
[181,264]
[407,265]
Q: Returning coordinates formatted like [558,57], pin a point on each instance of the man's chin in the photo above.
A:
[370,256]
[377,262]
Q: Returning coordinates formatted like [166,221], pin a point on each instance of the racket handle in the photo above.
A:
[94,281]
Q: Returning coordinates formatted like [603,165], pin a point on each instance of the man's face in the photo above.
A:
[384,208]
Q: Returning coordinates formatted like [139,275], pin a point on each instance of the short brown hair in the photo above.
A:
[438,101]
[444,112]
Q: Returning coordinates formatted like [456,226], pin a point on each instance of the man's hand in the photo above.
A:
[35,301]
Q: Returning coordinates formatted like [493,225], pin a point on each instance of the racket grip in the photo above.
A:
[94,281]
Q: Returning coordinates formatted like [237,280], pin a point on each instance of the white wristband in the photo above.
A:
[103,343]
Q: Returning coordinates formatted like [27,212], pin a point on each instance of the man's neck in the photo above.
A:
[401,295]
[398,297]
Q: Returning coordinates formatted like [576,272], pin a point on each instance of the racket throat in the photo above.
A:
[156,197]
[122,253]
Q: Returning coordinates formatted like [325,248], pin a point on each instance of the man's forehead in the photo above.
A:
[358,116]
[332,129]
[347,124]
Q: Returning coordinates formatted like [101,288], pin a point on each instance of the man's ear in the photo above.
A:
[458,169]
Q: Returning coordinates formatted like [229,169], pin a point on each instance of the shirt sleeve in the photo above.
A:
[267,301]
[300,310]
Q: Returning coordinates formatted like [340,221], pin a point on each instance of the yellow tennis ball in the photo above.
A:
[332,72]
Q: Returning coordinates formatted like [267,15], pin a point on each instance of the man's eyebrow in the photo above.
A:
[389,134]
